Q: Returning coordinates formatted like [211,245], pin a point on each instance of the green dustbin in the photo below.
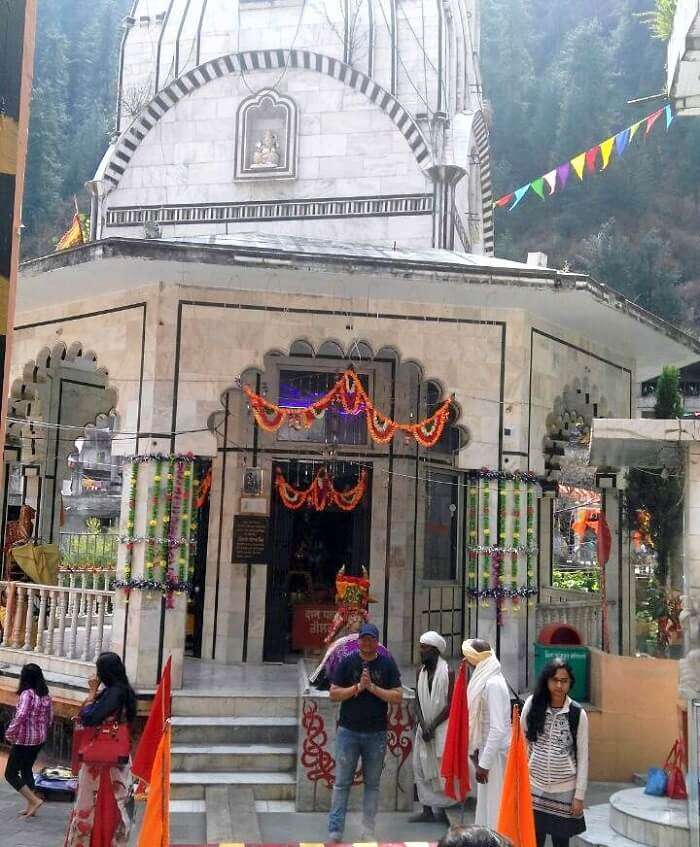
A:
[577,657]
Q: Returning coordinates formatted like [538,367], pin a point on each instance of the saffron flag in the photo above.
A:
[73,236]
[603,540]
[516,820]
[577,163]
[455,758]
[155,827]
[606,150]
[145,754]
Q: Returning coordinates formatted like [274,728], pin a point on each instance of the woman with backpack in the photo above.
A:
[556,729]
[26,733]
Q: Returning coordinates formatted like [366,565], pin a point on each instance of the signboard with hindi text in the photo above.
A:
[250,539]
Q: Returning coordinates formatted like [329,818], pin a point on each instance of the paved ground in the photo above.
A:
[48,828]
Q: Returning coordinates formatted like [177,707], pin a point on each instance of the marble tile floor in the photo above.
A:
[212,678]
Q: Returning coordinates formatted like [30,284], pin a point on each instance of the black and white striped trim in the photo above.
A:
[481,136]
[265,60]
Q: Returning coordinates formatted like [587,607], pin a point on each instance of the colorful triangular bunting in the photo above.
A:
[537,185]
[652,119]
[551,180]
[592,158]
[505,200]
[563,172]
[622,139]
[606,150]
[578,163]
[634,128]
[669,115]
[519,194]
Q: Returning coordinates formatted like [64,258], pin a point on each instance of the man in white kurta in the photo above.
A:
[489,728]
[433,693]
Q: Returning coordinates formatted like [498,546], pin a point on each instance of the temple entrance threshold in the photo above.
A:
[308,548]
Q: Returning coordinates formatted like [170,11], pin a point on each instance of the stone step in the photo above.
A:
[654,821]
[285,807]
[233,757]
[191,785]
[205,704]
[599,833]
[228,730]
[231,815]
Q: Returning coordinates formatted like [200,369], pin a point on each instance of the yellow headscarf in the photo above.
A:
[471,654]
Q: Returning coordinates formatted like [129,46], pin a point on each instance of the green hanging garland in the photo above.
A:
[486,532]
[131,519]
[185,516]
[530,530]
[150,551]
[473,538]
[515,558]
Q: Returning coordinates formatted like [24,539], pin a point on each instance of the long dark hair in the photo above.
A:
[32,678]
[112,673]
[541,699]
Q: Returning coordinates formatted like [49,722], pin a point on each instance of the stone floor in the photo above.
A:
[206,677]
[276,827]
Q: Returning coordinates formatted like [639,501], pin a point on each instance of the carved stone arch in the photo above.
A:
[245,63]
[568,429]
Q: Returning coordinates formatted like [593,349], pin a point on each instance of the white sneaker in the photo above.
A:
[335,837]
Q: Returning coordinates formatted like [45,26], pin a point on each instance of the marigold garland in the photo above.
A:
[321,493]
[350,394]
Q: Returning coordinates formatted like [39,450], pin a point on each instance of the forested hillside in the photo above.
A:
[557,78]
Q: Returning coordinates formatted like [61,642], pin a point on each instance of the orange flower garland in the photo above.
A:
[321,493]
[349,393]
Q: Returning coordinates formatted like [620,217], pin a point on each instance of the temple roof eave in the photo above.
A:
[309,267]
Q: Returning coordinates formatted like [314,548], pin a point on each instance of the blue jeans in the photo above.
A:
[349,748]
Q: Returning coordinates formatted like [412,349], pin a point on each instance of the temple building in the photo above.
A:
[296,205]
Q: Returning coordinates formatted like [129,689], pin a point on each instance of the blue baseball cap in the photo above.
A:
[369,629]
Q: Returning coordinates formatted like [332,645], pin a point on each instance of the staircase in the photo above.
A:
[233,755]
[633,819]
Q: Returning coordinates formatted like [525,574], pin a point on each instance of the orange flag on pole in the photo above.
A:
[145,754]
[155,827]
[73,236]
[516,819]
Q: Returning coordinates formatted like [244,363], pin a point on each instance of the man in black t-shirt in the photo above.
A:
[364,684]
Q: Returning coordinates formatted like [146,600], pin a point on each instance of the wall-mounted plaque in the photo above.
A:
[249,539]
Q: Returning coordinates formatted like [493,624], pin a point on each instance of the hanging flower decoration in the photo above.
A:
[131,519]
[321,493]
[349,393]
[498,580]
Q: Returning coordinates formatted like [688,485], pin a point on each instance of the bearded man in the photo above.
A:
[434,686]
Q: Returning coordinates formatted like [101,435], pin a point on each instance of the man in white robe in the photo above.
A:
[433,694]
[489,728]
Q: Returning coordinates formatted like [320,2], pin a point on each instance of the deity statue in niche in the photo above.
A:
[267,151]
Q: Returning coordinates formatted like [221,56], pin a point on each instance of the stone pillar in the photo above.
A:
[149,622]
[445,178]
[613,570]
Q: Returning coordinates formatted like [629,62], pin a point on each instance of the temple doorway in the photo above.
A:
[308,548]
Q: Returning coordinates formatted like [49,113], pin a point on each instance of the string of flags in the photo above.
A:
[557,179]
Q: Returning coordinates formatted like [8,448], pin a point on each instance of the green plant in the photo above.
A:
[660,19]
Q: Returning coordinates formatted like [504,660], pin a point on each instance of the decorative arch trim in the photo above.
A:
[481,136]
[261,60]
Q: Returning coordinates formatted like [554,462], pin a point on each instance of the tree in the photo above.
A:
[658,493]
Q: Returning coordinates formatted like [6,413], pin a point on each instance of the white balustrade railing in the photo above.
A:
[580,609]
[71,622]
